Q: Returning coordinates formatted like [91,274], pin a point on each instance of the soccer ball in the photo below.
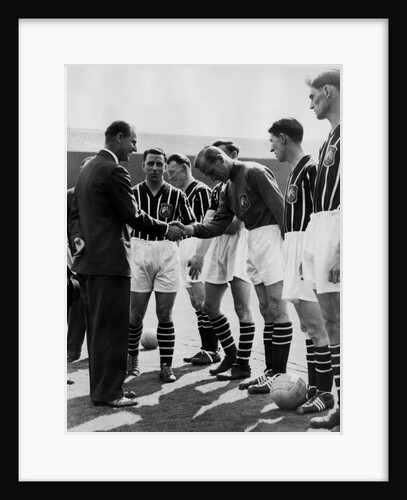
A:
[288,391]
[149,339]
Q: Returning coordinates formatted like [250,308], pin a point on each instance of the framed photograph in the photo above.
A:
[183,82]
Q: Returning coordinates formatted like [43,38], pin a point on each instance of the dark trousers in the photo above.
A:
[107,303]
[76,328]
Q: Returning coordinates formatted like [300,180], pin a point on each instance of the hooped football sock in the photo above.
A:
[246,337]
[310,357]
[135,332]
[222,330]
[268,348]
[336,367]
[166,342]
[201,330]
[211,340]
[323,368]
[282,338]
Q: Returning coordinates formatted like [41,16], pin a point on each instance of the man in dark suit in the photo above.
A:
[103,208]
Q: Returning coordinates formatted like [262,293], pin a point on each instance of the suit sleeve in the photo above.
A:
[265,183]
[122,198]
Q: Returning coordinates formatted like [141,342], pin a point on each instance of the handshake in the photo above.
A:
[177,230]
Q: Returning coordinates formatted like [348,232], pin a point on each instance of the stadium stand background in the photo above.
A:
[86,142]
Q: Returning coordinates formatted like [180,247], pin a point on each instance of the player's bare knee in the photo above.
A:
[275,307]
[194,304]
[313,324]
[135,318]
[317,333]
[264,309]
[330,316]
[164,316]
[210,310]
[243,313]
[199,305]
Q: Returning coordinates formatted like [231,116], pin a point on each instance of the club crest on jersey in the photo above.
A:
[329,159]
[244,201]
[292,193]
[166,210]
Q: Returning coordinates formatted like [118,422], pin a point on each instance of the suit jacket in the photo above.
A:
[102,206]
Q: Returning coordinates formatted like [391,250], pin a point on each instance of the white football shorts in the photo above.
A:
[321,241]
[229,258]
[265,255]
[155,266]
[294,288]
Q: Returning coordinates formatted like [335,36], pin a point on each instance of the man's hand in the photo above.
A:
[335,272]
[80,247]
[176,231]
[195,264]
[189,230]
[177,223]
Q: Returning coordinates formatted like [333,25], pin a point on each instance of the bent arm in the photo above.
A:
[217,226]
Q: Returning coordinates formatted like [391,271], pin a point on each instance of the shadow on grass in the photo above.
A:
[196,402]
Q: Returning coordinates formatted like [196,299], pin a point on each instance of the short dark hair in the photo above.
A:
[230,146]
[180,159]
[288,126]
[330,77]
[154,151]
[117,127]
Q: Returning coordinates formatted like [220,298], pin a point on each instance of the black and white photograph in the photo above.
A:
[206,232]
[266,360]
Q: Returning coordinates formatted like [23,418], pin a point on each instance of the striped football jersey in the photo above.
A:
[327,185]
[215,196]
[169,204]
[298,198]
[199,195]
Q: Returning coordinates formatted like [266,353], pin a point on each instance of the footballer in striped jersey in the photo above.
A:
[321,247]
[155,262]
[286,142]
[198,194]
